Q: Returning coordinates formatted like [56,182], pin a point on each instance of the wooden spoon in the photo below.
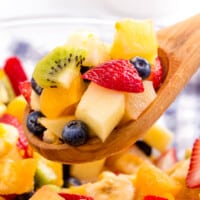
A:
[179,51]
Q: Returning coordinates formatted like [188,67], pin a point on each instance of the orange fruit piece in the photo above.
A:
[55,102]
[17,177]
[152,181]
[46,192]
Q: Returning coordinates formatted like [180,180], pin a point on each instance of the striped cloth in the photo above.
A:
[183,117]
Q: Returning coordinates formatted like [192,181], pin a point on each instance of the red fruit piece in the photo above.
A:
[74,196]
[15,72]
[167,159]
[25,89]
[22,143]
[193,175]
[9,196]
[156,73]
[117,75]
[152,197]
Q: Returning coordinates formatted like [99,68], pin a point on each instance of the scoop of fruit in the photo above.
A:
[175,53]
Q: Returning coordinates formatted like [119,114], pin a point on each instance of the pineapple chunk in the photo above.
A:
[134,38]
[101,109]
[158,137]
[136,103]
[97,51]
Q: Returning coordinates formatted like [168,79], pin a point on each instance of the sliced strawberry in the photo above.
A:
[152,197]
[67,196]
[22,143]
[117,75]
[167,159]
[25,90]
[15,72]
[193,175]
[156,73]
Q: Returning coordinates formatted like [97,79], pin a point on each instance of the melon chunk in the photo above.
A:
[101,109]
[55,125]
[136,103]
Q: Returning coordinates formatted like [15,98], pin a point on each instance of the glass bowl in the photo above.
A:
[31,38]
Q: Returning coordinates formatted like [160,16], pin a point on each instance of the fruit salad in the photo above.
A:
[148,170]
[86,88]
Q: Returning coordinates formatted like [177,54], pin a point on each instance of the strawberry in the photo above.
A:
[25,90]
[167,159]
[156,73]
[15,72]
[152,197]
[193,175]
[117,75]
[67,196]
[22,143]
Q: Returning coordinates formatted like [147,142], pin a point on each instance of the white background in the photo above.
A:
[164,12]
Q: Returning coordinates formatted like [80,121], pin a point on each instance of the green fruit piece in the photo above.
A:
[59,67]
[47,172]
[5,86]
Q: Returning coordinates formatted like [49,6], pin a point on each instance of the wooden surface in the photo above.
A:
[179,50]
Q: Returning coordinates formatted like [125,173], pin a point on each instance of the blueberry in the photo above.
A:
[36,87]
[32,123]
[71,181]
[142,66]
[144,147]
[75,133]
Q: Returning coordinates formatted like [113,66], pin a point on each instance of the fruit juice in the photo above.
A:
[148,170]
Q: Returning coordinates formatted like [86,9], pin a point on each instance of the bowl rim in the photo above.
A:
[38,20]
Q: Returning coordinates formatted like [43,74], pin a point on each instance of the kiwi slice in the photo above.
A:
[59,67]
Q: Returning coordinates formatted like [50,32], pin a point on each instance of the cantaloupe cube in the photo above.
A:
[101,109]
[87,171]
[46,192]
[136,103]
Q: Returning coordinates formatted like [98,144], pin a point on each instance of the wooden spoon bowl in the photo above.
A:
[179,51]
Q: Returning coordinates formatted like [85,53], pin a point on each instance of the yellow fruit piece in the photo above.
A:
[8,138]
[158,137]
[55,102]
[101,109]
[134,38]
[17,177]
[17,107]
[46,193]
[87,171]
[2,109]
[97,51]
[54,168]
[151,180]
[75,190]
[56,125]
